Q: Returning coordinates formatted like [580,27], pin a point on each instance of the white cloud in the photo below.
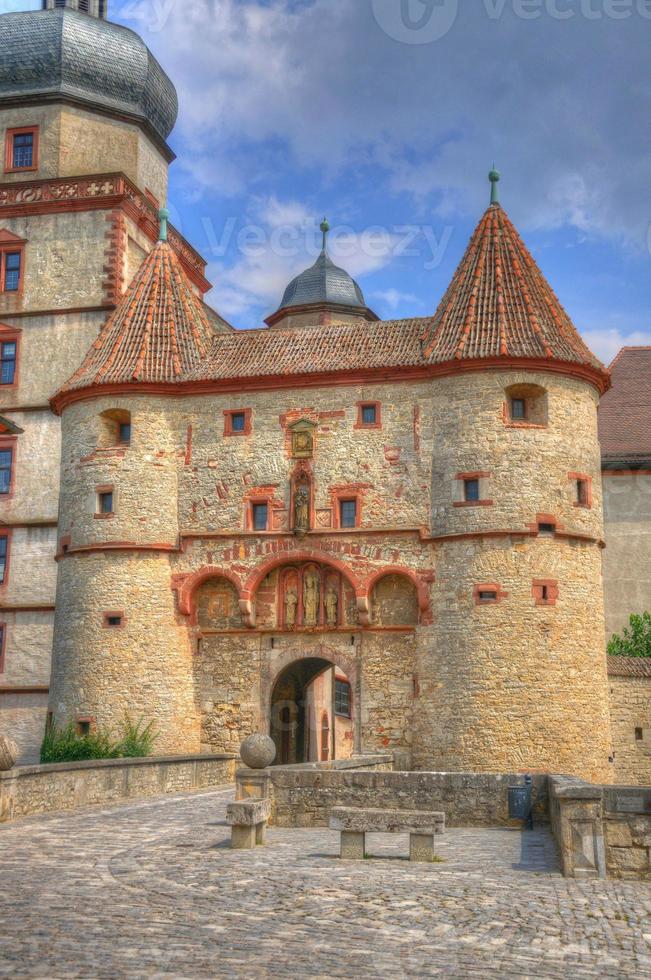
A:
[294,85]
[606,343]
[393,298]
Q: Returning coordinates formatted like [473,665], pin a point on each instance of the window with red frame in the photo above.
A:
[6,466]
[21,149]
[7,362]
[260,516]
[4,554]
[11,264]
[347,513]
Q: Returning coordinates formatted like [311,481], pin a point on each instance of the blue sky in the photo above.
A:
[387,116]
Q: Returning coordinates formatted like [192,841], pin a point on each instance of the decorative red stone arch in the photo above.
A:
[258,576]
[189,586]
[421,587]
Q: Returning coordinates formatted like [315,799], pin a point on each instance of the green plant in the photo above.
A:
[65,744]
[634,641]
[138,739]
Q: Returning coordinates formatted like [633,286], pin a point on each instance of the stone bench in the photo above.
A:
[248,820]
[355,823]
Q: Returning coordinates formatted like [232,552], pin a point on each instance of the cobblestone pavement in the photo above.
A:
[152,889]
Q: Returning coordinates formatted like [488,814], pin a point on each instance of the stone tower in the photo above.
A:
[85,113]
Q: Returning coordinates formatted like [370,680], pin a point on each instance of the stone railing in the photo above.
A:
[627,823]
[39,789]
[302,796]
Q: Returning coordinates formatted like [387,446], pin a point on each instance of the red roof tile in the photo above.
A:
[625,411]
[629,667]
[499,304]
[158,333]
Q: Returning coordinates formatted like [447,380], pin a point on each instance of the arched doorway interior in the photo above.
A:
[311,713]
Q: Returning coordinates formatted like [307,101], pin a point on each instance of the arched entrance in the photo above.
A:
[311,718]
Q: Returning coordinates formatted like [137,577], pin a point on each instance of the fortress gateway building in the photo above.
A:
[349,533]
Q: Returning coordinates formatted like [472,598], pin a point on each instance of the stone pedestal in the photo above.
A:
[353,845]
[421,847]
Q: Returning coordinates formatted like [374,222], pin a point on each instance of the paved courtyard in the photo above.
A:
[152,889]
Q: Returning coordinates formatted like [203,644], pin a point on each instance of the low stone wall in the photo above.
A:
[304,795]
[627,824]
[39,789]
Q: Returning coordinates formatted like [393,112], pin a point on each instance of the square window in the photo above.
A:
[369,414]
[518,409]
[348,513]
[260,517]
[471,490]
[342,699]
[11,262]
[124,433]
[8,362]
[238,421]
[4,549]
[23,151]
[106,502]
[6,463]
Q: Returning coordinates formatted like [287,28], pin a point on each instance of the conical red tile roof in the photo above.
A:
[159,332]
[499,305]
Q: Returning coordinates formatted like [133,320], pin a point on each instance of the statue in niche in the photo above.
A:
[331,606]
[291,602]
[302,509]
[311,599]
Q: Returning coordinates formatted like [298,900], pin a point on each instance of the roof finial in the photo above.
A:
[494,177]
[164,217]
[325,228]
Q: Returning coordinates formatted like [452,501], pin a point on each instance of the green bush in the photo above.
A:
[135,741]
[634,641]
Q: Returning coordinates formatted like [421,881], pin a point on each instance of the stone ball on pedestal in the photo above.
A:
[258,751]
[8,753]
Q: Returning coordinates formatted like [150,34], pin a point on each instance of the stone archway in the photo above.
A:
[308,700]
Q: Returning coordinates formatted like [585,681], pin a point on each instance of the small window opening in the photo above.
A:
[260,517]
[23,150]
[114,621]
[369,414]
[8,362]
[10,272]
[238,421]
[549,529]
[518,409]
[638,734]
[471,490]
[342,699]
[124,433]
[6,464]
[488,596]
[582,493]
[106,502]
[83,728]
[544,593]
[348,513]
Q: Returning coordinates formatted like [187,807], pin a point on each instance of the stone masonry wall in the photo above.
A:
[42,789]
[627,558]
[630,713]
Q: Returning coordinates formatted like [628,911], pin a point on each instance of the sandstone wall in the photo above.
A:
[143,668]
[22,718]
[630,713]
[627,558]
[42,789]
[74,142]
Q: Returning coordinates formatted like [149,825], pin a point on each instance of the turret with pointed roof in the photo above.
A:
[159,332]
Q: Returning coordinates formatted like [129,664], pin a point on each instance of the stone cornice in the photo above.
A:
[98,192]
